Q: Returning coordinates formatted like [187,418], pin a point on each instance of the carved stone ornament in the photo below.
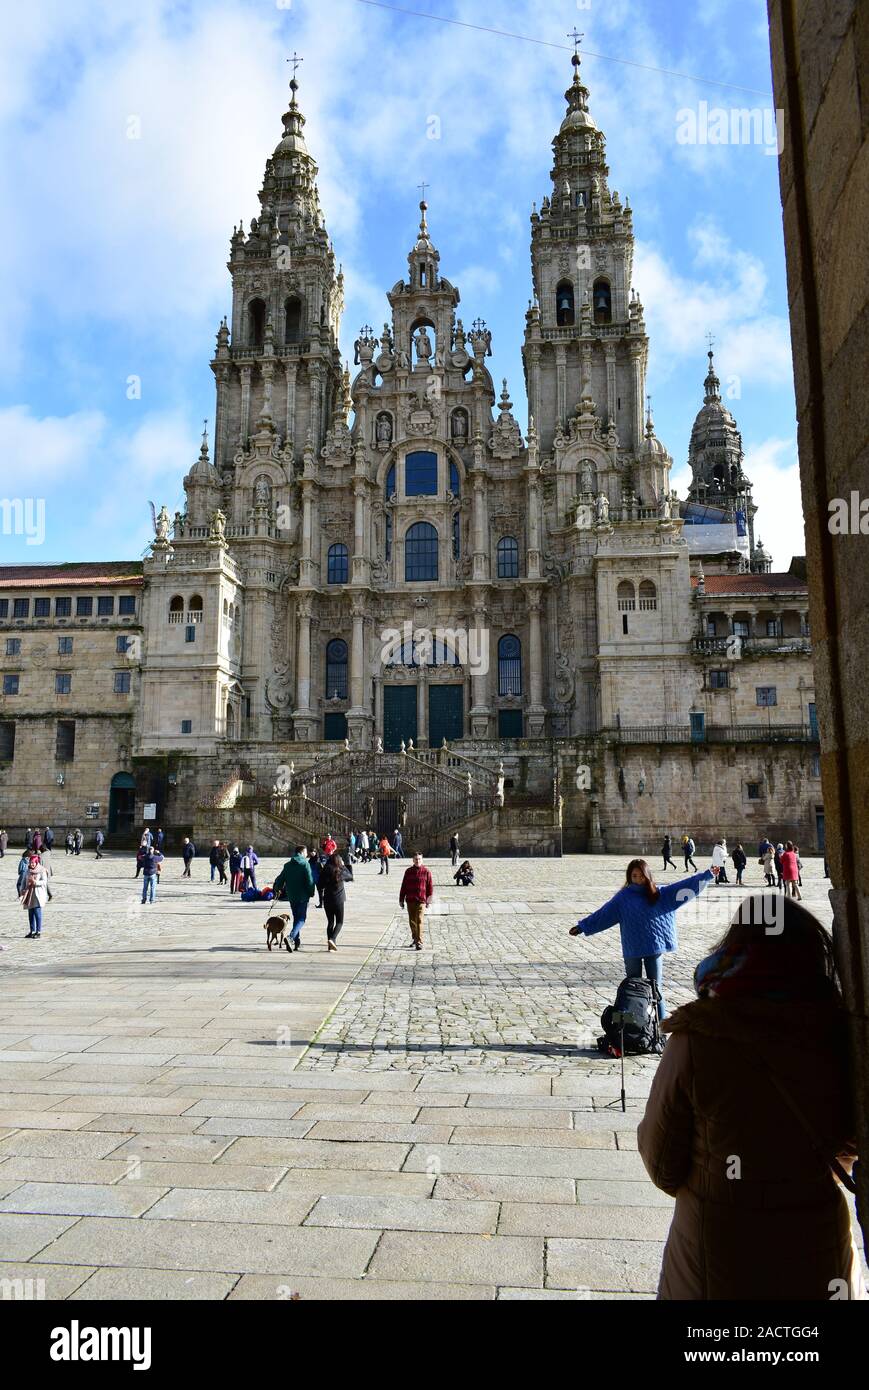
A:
[565,679]
[418,418]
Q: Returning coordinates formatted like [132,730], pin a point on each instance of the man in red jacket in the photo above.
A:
[417,890]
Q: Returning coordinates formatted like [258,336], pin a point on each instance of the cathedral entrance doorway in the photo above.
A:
[446,710]
[399,716]
[122,804]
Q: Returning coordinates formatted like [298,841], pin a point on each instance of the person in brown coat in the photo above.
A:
[749,1114]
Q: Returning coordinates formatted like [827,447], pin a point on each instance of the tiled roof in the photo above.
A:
[756,585]
[114,572]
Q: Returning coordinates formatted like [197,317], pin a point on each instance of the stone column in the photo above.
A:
[561,382]
[245,373]
[361,561]
[612,397]
[638,413]
[292,369]
[536,709]
[220,451]
[303,715]
[358,716]
[481,710]
[480,569]
[422,708]
[314,392]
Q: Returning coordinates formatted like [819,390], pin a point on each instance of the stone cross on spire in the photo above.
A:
[294,86]
[577,40]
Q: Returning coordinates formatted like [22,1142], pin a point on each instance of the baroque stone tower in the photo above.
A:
[715,455]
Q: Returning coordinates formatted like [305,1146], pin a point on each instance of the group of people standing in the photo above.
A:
[365,845]
[781,864]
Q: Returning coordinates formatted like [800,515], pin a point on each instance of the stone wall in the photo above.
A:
[29,794]
[820,57]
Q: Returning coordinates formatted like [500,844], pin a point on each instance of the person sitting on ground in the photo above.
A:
[464,875]
[754,1085]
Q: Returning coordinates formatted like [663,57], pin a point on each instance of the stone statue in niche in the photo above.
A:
[384,431]
[423,346]
[460,426]
[602,509]
[262,493]
[587,476]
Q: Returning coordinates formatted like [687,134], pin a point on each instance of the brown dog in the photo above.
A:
[276,926]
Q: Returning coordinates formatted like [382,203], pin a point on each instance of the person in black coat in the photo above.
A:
[667,850]
[333,876]
[740,859]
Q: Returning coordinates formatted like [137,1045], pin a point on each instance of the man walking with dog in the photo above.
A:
[417,890]
[295,883]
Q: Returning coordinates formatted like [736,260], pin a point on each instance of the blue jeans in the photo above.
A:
[654,972]
[149,885]
[300,912]
[213,871]
[35,916]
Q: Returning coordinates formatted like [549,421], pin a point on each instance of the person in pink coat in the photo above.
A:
[790,871]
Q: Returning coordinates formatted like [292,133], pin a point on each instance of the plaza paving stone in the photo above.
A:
[184,1115]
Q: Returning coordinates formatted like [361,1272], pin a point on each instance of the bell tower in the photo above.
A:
[277,364]
[584,335]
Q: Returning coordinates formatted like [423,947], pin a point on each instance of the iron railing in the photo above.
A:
[713,733]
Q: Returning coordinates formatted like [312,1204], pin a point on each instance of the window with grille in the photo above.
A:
[62,607]
[13,646]
[122,682]
[338,569]
[10,685]
[4,608]
[84,607]
[42,608]
[719,680]
[64,646]
[127,605]
[105,606]
[741,629]
[766,695]
[187,726]
[21,608]
[336,670]
[122,645]
[508,558]
[62,683]
[509,666]
[421,553]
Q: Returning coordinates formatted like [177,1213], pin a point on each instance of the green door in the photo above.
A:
[446,710]
[399,716]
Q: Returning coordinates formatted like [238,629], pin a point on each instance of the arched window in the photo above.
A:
[509,666]
[457,535]
[626,596]
[602,301]
[648,596]
[389,488]
[256,322]
[293,321]
[421,474]
[421,553]
[455,484]
[338,564]
[176,609]
[336,669]
[194,610]
[564,308]
[508,558]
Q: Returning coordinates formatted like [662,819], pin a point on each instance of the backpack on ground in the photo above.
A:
[632,1020]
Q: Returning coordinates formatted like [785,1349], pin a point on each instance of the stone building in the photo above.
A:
[70,645]
[381,588]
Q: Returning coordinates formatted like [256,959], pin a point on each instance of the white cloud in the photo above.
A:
[52,449]
[772,466]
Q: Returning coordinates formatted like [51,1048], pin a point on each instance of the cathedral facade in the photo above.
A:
[380,563]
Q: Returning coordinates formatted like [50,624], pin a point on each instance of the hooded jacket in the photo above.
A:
[758,1215]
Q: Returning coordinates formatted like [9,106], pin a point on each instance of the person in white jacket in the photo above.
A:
[719,858]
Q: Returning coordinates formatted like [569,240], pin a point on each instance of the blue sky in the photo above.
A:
[114,248]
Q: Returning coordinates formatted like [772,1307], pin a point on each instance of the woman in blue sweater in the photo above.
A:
[646,916]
